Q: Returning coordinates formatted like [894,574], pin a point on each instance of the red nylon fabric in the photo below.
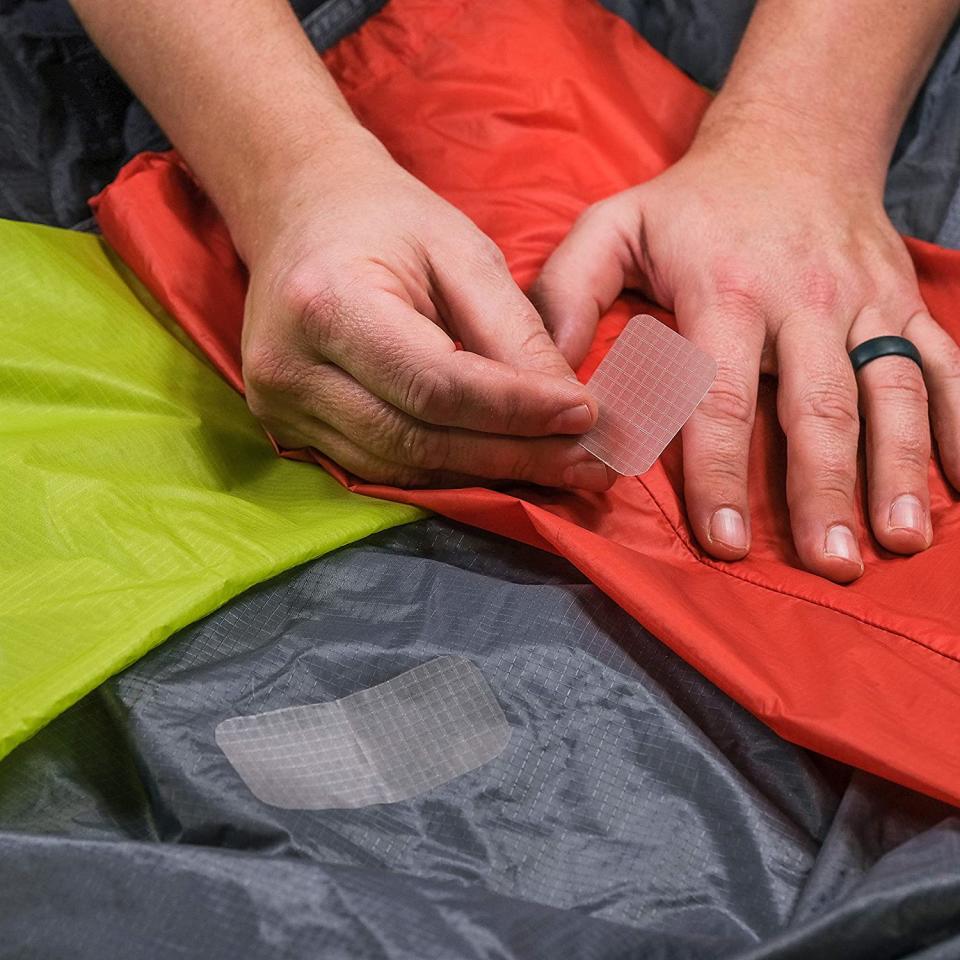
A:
[522,114]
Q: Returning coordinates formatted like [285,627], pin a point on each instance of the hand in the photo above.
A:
[361,280]
[775,259]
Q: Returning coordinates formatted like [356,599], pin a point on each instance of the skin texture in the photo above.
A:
[768,240]
[359,285]
[345,345]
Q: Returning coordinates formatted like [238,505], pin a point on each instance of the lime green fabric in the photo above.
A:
[138,493]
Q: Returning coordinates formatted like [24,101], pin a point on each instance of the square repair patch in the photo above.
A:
[646,387]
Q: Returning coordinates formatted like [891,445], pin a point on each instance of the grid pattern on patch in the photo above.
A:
[646,387]
[387,743]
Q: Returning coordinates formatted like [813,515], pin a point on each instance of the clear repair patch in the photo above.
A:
[381,745]
[646,388]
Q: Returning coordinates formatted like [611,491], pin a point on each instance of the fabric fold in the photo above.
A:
[138,493]
[576,107]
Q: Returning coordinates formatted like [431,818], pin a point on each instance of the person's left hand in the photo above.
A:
[776,260]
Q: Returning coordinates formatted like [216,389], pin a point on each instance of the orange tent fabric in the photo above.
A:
[521,114]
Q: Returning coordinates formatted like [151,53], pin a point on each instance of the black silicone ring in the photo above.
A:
[884,347]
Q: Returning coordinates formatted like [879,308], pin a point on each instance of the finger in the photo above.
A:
[941,370]
[293,428]
[586,273]
[817,401]
[893,399]
[392,436]
[716,439]
[487,311]
[321,393]
[408,361]
[367,466]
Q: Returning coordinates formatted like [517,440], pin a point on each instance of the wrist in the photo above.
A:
[293,162]
[796,140]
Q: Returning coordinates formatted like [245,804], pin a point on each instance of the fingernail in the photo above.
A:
[906,513]
[591,475]
[575,420]
[727,527]
[841,543]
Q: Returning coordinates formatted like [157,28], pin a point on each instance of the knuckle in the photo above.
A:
[377,427]
[949,369]
[910,453]
[538,346]
[488,258]
[512,418]
[721,474]
[829,403]
[594,212]
[524,465]
[904,465]
[261,407]
[818,290]
[832,485]
[318,317]
[267,369]
[428,393]
[285,433]
[315,306]
[902,383]
[737,287]
[421,447]
[619,212]
[946,362]
[729,400]
[298,291]
[627,203]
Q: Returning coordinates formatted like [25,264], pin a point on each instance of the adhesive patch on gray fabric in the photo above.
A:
[388,743]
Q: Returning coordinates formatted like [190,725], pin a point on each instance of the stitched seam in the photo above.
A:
[715,565]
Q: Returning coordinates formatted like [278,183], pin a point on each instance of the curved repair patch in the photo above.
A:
[387,743]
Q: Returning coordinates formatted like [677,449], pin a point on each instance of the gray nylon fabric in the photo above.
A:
[635,812]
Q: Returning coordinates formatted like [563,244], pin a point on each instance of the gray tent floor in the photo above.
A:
[636,811]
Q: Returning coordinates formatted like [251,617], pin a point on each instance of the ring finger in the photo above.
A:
[893,400]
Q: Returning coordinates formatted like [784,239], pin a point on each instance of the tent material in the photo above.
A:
[138,493]
[638,812]
[635,813]
[868,673]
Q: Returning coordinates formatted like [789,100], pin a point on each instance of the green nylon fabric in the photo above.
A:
[138,493]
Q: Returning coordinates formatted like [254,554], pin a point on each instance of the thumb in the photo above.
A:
[588,271]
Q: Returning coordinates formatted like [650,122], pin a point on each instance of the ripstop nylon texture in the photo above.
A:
[138,493]
[381,744]
[576,107]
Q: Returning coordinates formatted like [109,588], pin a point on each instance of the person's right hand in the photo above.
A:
[361,281]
